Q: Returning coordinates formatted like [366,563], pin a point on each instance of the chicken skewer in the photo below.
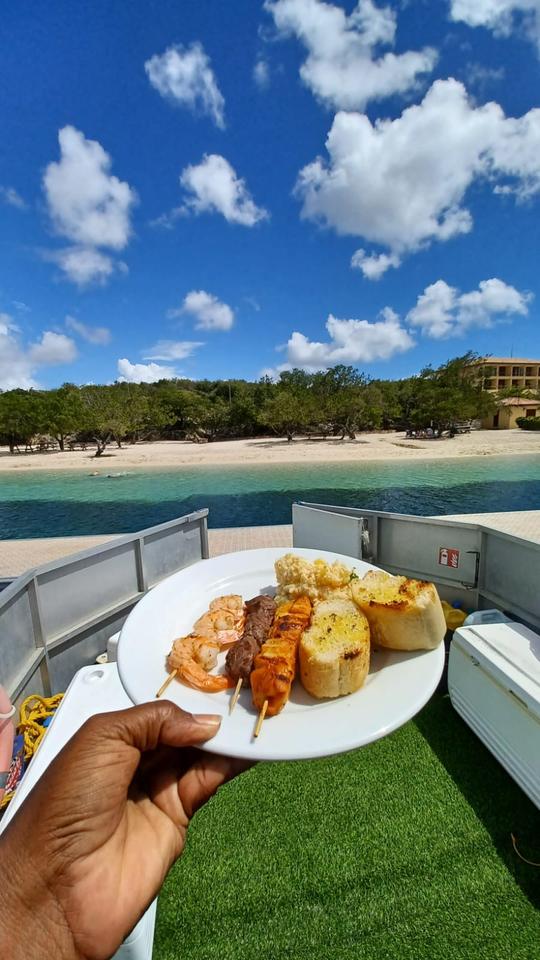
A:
[239,661]
[275,664]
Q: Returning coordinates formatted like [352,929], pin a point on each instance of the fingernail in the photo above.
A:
[208,719]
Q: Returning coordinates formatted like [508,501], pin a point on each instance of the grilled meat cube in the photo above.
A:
[275,665]
[259,616]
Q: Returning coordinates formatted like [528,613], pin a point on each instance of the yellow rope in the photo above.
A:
[33,711]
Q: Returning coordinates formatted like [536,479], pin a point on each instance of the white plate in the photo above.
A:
[397,687]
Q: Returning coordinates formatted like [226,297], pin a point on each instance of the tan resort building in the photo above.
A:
[500,373]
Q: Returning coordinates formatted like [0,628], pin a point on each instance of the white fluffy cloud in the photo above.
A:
[87,205]
[500,16]
[143,372]
[209,312]
[261,74]
[401,183]
[351,342]
[99,336]
[343,67]
[12,197]
[442,311]
[215,188]
[20,362]
[184,75]
[172,349]
[52,348]
[85,265]
[373,266]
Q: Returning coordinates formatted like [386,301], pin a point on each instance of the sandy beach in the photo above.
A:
[367,447]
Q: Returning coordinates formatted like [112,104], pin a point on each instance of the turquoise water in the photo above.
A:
[68,504]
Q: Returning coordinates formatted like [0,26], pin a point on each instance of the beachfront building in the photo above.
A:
[509,410]
[503,373]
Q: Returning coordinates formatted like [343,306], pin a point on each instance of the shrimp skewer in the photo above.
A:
[192,657]
[223,621]
[230,601]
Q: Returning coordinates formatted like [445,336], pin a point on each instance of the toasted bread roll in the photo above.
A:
[403,614]
[334,651]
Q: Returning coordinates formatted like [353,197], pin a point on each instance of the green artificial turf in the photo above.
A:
[399,850]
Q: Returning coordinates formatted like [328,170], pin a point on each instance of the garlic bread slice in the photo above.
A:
[334,651]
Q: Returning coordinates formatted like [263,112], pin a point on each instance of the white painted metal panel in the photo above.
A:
[418,546]
[510,575]
[164,554]
[16,637]
[95,583]
[58,617]
[320,530]
[421,547]
[66,659]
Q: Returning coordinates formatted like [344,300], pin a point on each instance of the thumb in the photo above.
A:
[159,723]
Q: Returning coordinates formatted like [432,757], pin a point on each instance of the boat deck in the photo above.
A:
[404,847]
[17,556]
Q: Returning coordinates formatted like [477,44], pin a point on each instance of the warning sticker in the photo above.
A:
[449,557]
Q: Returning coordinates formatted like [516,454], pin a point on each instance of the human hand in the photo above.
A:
[89,849]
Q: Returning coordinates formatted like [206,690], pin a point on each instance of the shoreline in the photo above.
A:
[265,451]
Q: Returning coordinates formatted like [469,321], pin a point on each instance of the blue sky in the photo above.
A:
[212,189]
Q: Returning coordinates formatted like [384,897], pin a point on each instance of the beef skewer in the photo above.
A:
[275,665]
[259,615]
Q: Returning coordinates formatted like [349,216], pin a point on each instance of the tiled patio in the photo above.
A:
[16,556]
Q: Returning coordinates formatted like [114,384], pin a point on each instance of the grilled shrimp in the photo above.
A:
[223,622]
[192,657]
[231,601]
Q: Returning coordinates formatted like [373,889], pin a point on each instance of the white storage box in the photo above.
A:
[494,683]
[95,689]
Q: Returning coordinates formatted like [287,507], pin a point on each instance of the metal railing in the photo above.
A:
[475,564]
[58,617]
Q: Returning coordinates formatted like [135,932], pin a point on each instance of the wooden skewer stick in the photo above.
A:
[169,680]
[261,718]
[236,694]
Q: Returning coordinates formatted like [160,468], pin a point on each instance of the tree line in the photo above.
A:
[338,402]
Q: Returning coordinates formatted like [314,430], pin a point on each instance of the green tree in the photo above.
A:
[242,417]
[105,415]
[451,393]
[215,419]
[22,417]
[65,412]
[391,402]
[340,396]
[287,413]
[185,408]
